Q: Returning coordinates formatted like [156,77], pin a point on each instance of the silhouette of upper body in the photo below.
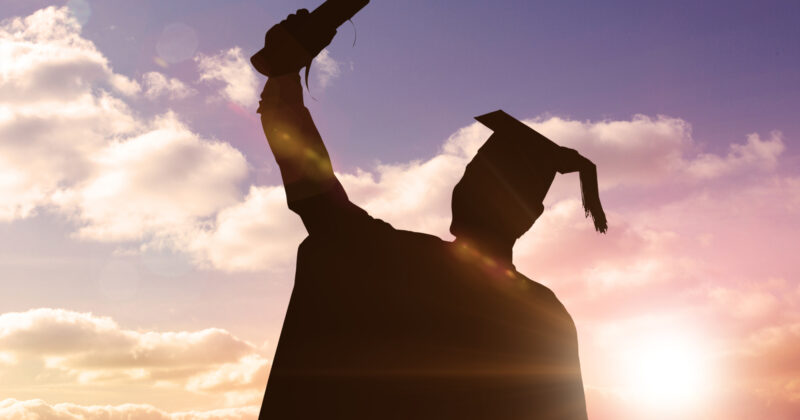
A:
[391,324]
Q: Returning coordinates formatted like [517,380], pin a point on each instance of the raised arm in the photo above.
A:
[312,189]
[298,148]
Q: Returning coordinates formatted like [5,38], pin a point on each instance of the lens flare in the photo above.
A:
[178,42]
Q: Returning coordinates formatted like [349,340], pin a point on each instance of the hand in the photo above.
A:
[292,44]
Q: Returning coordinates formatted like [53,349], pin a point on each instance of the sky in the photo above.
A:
[147,254]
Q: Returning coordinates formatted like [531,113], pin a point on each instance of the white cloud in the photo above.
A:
[651,152]
[51,115]
[57,352]
[76,353]
[157,84]
[642,151]
[235,72]
[75,148]
[95,348]
[162,176]
[43,56]
[47,145]
[411,196]
[326,68]
[70,144]
[259,233]
[84,153]
[756,153]
[11,409]
[248,373]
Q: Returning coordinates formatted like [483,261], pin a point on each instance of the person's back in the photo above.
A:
[385,323]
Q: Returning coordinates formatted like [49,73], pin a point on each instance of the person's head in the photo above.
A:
[501,192]
[496,196]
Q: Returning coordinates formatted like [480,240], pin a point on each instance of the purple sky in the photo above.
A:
[702,217]
[422,68]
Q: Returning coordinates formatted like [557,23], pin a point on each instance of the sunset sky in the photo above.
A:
[147,254]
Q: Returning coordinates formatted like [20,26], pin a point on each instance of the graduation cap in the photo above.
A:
[528,162]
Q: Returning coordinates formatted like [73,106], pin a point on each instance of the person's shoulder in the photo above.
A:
[417,236]
[532,285]
[361,226]
[370,225]
[539,294]
[409,243]
[538,290]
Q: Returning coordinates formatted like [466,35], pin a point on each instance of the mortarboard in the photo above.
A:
[519,151]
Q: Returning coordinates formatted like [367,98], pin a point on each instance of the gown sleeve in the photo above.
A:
[312,189]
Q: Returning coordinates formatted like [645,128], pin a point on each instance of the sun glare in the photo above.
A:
[668,371]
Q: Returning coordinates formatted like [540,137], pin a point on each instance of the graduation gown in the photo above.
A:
[391,324]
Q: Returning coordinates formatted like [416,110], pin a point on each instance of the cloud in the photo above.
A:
[244,235]
[162,176]
[11,409]
[77,149]
[652,151]
[248,373]
[84,354]
[156,85]
[230,67]
[44,57]
[94,349]
[416,196]
[50,116]
[48,145]
[643,151]
[122,179]
[326,68]
[756,153]
[709,238]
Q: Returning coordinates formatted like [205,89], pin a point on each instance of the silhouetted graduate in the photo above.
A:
[391,324]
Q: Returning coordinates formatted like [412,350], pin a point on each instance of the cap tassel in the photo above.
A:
[591,199]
